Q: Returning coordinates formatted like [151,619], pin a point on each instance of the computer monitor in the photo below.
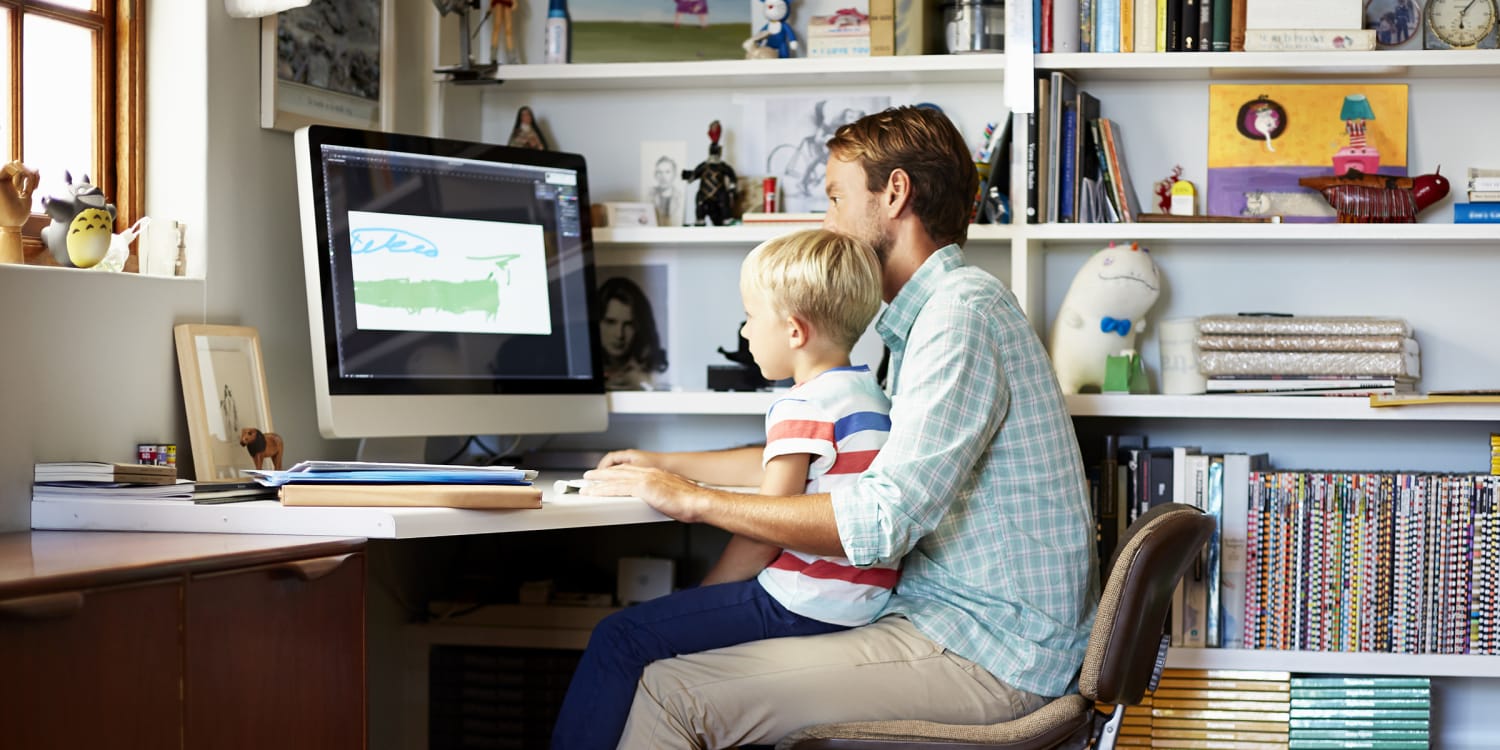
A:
[449,286]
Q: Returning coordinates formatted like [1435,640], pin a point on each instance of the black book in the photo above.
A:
[1205,25]
[1189,24]
[1174,25]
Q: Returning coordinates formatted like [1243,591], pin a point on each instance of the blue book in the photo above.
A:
[1036,27]
[1107,26]
[1476,213]
[1067,169]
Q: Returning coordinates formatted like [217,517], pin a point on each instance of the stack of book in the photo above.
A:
[1300,355]
[1220,708]
[1077,172]
[1202,26]
[361,483]
[1495,453]
[1484,198]
[103,479]
[1392,713]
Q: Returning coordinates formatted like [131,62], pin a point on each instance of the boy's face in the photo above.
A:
[766,330]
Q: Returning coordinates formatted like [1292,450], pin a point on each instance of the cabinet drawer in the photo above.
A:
[276,656]
[93,668]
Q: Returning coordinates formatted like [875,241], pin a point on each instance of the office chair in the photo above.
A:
[1126,652]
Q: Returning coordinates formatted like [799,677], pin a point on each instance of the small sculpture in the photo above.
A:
[262,445]
[64,211]
[500,20]
[1104,309]
[1361,198]
[776,35]
[15,208]
[716,183]
[119,246]
[525,133]
[1162,189]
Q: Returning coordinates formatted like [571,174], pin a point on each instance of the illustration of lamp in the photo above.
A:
[1359,154]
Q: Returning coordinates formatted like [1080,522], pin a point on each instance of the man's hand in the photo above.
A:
[668,493]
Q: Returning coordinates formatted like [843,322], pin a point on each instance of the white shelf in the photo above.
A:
[1329,234]
[1321,662]
[747,234]
[741,74]
[1279,65]
[1351,408]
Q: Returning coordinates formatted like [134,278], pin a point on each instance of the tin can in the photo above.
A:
[768,189]
[145,453]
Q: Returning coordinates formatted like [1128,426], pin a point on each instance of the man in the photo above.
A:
[979,488]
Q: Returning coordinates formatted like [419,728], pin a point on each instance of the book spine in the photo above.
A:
[1469,213]
[1031,217]
[1145,25]
[882,28]
[1205,25]
[1107,26]
[1127,25]
[1188,24]
[1308,40]
[1237,25]
[1174,25]
[1065,26]
[1087,10]
[1163,10]
[1223,19]
[1484,183]
[1484,196]
[1068,166]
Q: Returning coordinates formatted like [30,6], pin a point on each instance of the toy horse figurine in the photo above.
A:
[1361,198]
[716,183]
[776,35]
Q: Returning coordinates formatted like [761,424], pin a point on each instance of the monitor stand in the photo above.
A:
[404,450]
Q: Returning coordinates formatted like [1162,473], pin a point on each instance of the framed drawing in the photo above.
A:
[633,313]
[224,390]
[328,63]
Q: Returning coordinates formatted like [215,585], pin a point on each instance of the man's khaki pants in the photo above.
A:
[757,693]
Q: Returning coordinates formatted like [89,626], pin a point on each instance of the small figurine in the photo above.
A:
[64,211]
[716,183]
[15,208]
[262,445]
[1104,309]
[119,246]
[1184,199]
[776,34]
[1163,190]
[500,20]
[525,133]
[1361,198]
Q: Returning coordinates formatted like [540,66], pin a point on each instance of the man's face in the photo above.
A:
[852,209]
[664,172]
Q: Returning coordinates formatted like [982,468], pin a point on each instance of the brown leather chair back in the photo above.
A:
[1127,646]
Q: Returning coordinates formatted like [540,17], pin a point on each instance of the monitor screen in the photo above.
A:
[449,286]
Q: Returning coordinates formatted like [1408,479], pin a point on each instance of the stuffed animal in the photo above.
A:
[93,243]
[776,35]
[1104,309]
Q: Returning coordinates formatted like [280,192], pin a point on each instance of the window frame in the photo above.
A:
[119,98]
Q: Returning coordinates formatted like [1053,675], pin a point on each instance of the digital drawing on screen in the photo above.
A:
[419,273]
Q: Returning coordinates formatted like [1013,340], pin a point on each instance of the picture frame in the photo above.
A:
[635,336]
[224,392]
[311,74]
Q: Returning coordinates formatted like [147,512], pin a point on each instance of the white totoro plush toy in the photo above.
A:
[1101,314]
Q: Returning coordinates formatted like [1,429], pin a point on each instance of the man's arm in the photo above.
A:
[731,467]
[801,522]
[743,557]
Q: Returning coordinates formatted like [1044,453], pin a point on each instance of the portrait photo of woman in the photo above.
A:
[631,336]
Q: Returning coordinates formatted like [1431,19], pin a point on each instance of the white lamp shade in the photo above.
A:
[258,8]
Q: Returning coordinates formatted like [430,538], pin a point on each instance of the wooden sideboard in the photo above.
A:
[161,640]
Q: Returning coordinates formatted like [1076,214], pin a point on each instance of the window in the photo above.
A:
[75,80]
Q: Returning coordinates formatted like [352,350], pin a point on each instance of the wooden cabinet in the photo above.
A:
[155,641]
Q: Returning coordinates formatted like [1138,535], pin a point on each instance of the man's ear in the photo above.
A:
[897,193]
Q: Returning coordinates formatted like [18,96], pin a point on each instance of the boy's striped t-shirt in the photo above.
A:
[841,418]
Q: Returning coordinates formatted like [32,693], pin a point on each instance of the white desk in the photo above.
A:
[269,517]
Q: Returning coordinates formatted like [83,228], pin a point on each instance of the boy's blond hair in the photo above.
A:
[829,280]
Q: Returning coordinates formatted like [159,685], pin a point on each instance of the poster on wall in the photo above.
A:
[634,306]
[787,139]
[328,63]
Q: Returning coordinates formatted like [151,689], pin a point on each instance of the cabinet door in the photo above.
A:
[94,668]
[276,656]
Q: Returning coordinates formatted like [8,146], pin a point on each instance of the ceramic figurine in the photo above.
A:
[776,35]
[64,211]
[119,246]
[262,445]
[500,21]
[716,183]
[1104,309]
[17,181]
[1361,198]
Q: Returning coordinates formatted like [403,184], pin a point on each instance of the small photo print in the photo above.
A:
[662,185]
[634,308]
[1397,23]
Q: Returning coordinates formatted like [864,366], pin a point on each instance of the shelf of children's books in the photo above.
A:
[802,71]
[1278,65]
[1340,234]
[1323,662]
[1244,406]
[746,234]
[706,403]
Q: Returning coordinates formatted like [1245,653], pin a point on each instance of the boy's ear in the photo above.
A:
[798,332]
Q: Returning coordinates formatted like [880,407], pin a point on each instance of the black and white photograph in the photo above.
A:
[661,180]
[790,141]
[324,63]
[633,309]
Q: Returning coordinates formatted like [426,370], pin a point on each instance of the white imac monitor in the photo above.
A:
[449,287]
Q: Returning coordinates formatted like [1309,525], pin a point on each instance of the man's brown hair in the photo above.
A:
[923,143]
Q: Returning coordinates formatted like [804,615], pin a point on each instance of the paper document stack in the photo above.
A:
[359,483]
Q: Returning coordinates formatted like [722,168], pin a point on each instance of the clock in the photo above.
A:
[1460,24]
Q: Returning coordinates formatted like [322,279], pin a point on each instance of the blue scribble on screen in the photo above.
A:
[375,239]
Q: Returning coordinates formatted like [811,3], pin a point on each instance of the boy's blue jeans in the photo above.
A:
[685,622]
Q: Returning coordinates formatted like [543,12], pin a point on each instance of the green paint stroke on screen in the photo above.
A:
[457,297]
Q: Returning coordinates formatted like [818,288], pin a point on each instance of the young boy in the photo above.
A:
[807,296]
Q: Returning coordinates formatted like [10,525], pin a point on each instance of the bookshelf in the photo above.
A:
[1436,274]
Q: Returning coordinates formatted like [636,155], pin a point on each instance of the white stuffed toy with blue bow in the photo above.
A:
[1101,314]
